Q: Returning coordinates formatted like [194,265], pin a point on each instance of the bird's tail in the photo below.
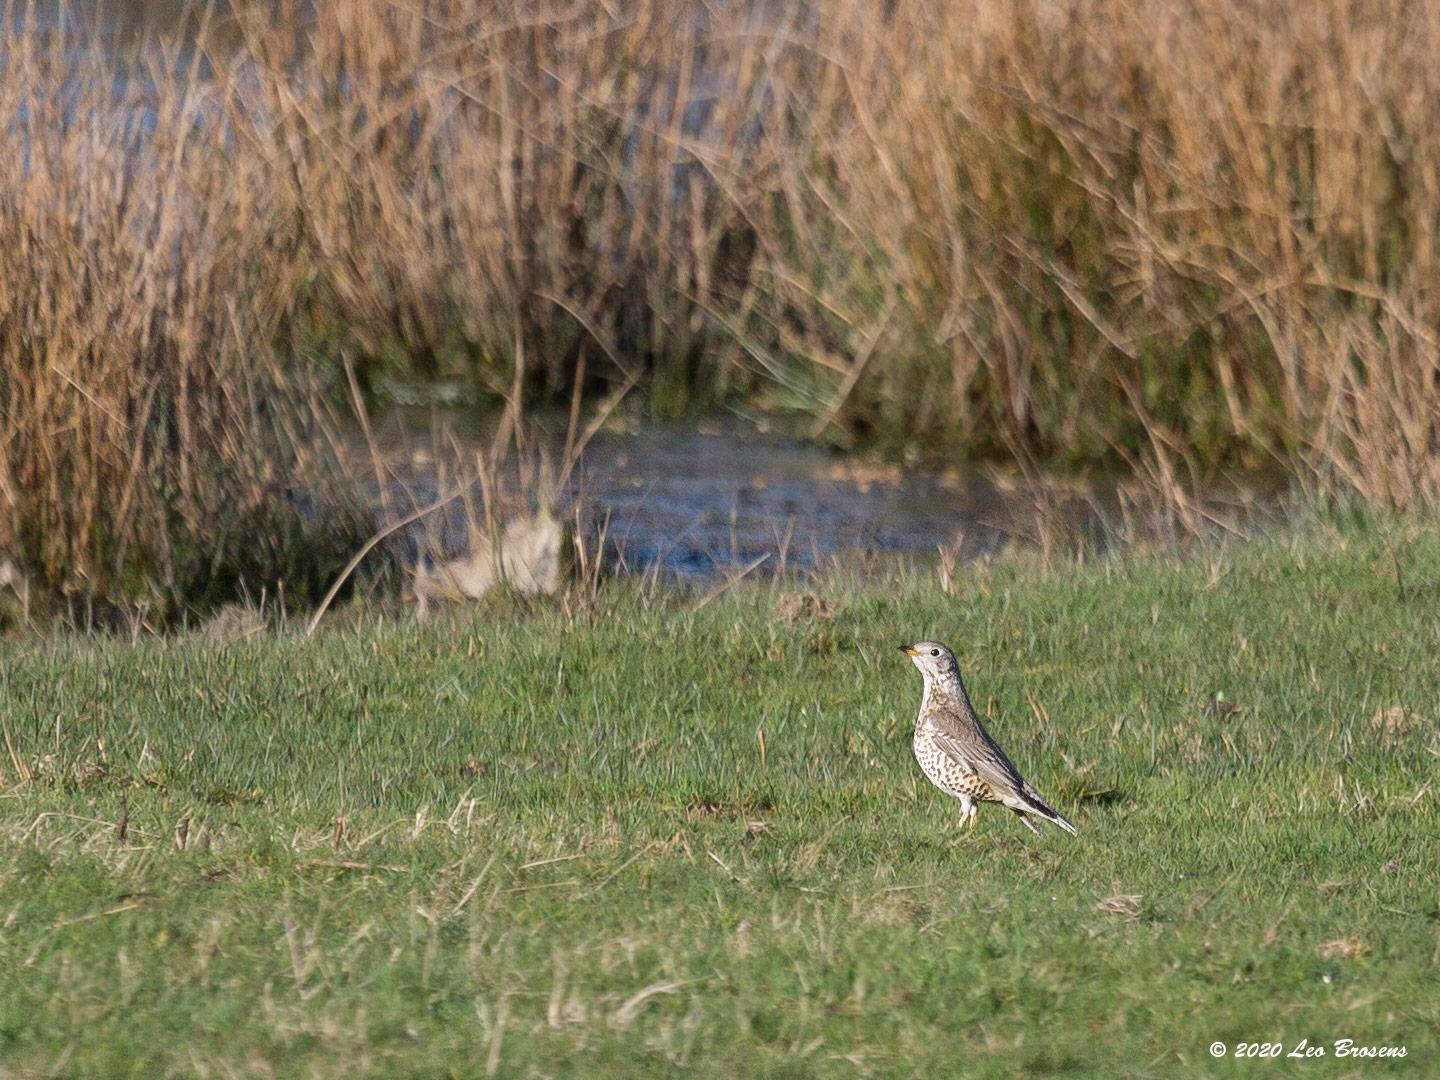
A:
[1037,806]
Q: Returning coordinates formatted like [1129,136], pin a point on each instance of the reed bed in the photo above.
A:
[1184,238]
[157,447]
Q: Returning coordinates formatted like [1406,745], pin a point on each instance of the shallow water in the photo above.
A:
[708,500]
[700,502]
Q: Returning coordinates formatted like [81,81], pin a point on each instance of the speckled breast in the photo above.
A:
[945,774]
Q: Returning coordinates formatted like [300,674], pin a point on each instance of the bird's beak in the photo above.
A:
[909,650]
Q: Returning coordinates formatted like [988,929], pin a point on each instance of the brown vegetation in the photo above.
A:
[1182,236]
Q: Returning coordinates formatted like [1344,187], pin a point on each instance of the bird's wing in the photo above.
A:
[964,741]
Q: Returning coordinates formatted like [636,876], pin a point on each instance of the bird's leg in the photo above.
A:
[967,811]
[1024,820]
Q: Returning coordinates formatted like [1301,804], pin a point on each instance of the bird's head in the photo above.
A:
[935,661]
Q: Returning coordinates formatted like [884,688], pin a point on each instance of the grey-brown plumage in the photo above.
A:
[957,753]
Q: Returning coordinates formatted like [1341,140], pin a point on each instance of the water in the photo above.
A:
[708,500]
[711,501]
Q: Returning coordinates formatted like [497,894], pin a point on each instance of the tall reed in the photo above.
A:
[1196,232]
[155,447]
[1179,236]
[1078,230]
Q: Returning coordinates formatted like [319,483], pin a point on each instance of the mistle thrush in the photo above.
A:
[957,753]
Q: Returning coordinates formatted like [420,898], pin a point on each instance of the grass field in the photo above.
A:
[526,843]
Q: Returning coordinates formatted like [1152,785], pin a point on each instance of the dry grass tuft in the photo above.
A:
[797,608]
[1125,905]
[235,622]
[1394,723]
[1347,948]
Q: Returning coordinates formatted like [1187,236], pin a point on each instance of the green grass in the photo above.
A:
[546,865]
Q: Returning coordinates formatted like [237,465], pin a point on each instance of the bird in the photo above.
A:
[957,753]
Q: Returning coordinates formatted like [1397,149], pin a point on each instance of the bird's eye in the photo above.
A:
[934,652]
